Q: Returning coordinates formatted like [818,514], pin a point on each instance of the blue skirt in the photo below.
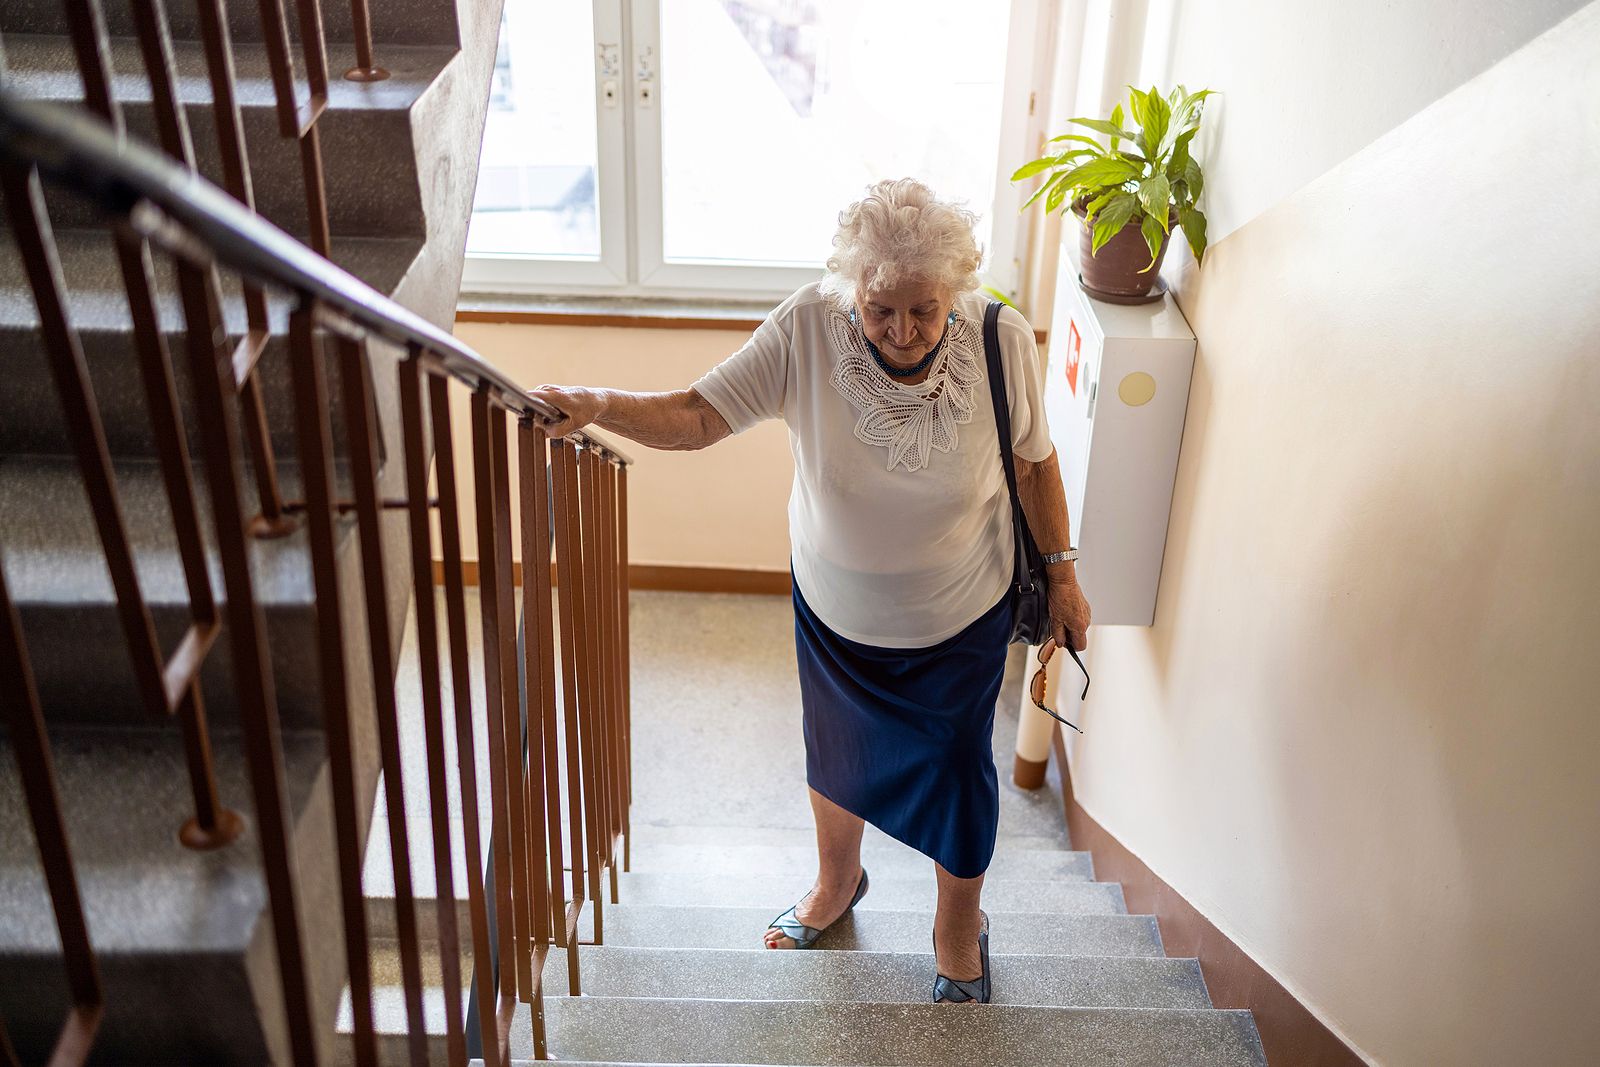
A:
[901,737]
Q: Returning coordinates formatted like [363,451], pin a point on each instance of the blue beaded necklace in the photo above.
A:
[921,365]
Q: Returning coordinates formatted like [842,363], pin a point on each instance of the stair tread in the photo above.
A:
[888,860]
[1025,978]
[901,892]
[707,926]
[143,892]
[44,67]
[648,837]
[97,300]
[880,1034]
[54,555]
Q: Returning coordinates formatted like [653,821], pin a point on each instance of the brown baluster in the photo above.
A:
[613,679]
[563,462]
[30,223]
[511,719]
[461,689]
[156,47]
[605,618]
[414,436]
[30,746]
[298,122]
[537,514]
[592,720]
[530,454]
[315,439]
[627,682]
[484,476]
[212,826]
[211,375]
[361,428]
[366,69]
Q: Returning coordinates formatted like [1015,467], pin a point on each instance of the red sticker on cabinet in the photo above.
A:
[1074,354]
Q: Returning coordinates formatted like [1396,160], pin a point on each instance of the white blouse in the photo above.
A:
[899,519]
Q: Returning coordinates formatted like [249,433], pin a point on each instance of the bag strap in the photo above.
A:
[1002,427]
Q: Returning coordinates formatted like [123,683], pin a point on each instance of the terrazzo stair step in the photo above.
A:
[56,572]
[30,409]
[369,151]
[647,838]
[417,22]
[836,977]
[866,929]
[168,925]
[888,977]
[883,861]
[916,893]
[636,1030]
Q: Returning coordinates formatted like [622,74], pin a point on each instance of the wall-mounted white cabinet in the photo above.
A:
[1116,390]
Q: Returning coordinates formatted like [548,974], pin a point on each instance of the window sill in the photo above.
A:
[628,312]
[634,312]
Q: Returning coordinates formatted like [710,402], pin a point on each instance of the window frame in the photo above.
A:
[629,182]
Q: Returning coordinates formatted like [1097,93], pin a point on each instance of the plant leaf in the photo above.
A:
[1112,218]
[1093,206]
[1116,120]
[1090,141]
[1058,194]
[1138,106]
[1107,170]
[1044,187]
[1155,196]
[1154,234]
[1194,229]
[1157,116]
[1192,177]
[1113,128]
[1029,169]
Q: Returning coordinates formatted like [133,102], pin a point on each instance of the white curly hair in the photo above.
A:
[901,232]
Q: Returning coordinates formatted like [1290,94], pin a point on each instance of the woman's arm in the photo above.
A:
[678,421]
[1044,502]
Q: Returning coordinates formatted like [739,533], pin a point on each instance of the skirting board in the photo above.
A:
[664,577]
[1290,1034]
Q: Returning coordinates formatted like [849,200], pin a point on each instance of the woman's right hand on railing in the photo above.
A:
[577,406]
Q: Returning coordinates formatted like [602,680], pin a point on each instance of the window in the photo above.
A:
[705,147]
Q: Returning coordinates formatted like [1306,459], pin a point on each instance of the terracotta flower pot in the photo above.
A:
[1114,271]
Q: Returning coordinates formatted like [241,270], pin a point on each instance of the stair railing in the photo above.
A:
[161,208]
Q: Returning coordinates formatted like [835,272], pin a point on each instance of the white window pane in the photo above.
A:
[537,178]
[777,113]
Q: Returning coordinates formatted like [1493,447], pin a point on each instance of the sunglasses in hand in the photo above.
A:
[1037,686]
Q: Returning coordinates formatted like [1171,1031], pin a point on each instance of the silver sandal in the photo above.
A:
[803,936]
[950,991]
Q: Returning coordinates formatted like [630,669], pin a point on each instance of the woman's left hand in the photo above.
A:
[1069,612]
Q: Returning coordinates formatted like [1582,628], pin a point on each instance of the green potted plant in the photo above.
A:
[1129,193]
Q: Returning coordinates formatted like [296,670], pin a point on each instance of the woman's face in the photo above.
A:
[906,322]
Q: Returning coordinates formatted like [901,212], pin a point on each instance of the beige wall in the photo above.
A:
[721,507]
[1361,735]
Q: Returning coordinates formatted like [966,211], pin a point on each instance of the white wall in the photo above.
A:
[1361,735]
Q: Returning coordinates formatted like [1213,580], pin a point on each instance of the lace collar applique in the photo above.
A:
[911,421]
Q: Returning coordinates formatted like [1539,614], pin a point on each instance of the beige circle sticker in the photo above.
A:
[1137,388]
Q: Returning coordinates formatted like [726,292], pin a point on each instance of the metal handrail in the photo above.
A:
[76,151]
[571,499]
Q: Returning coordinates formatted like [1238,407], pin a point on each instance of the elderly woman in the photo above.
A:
[900,528]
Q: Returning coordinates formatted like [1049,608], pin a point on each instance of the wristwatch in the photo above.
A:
[1061,557]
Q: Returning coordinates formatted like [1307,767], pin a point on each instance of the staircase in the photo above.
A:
[171,925]
[722,844]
